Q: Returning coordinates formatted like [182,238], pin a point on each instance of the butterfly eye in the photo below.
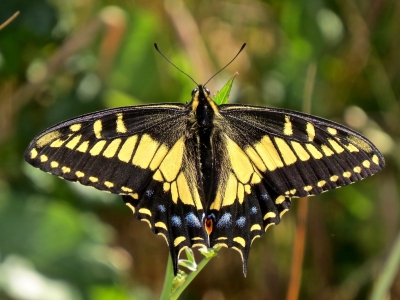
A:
[194,92]
[207,91]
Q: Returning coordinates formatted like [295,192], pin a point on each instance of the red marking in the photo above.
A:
[209,224]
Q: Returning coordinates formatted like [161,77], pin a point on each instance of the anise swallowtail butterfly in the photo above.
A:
[202,174]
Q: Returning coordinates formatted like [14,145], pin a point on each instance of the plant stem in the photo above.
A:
[169,278]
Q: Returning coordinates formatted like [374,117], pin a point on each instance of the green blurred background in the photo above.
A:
[60,59]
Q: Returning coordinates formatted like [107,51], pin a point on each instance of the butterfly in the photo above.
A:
[202,174]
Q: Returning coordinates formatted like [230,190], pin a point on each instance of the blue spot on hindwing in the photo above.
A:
[225,221]
[253,210]
[192,220]
[176,221]
[161,208]
[264,197]
[241,221]
[149,193]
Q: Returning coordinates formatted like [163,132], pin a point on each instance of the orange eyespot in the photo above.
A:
[209,224]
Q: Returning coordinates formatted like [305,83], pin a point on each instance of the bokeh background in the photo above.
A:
[60,59]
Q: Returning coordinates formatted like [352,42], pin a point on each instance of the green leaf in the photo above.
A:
[222,96]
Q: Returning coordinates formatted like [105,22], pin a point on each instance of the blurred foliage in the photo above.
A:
[60,59]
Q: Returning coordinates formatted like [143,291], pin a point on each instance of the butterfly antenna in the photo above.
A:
[158,50]
[244,45]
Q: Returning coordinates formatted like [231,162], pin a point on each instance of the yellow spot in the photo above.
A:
[96,149]
[158,157]
[255,158]
[157,176]
[83,147]
[43,158]
[47,138]
[336,146]
[147,221]
[75,127]
[300,151]
[125,153]
[269,215]
[112,148]
[145,151]
[240,192]
[220,245]
[34,153]
[172,162]
[310,131]
[314,152]
[361,144]
[222,238]
[255,237]
[54,164]
[108,184]
[72,143]
[247,188]
[145,211]
[268,153]
[280,199]
[174,192]
[332,131]
[79,174]
[321,183]
[120,124]
[238,250]
[287,153]
[255,227]
[57,143]
[255,179]
[197,239]
[93,179]
[163,235]
[269,225]
[184,190]
[161,225]
[230,190]
[134,196]
[131,207]
[240,162]
[334,178]
[65,169]
[375,159]
[327,151]
[308,188]
[240,241]
[166,186]
[179,240]
[292,191]
[347,174]
[97,128]
[217,201]
[283,212]
[287,129]
[366,163]
[352,148]
[357,170]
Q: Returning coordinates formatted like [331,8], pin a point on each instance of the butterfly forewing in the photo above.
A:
[298,154]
